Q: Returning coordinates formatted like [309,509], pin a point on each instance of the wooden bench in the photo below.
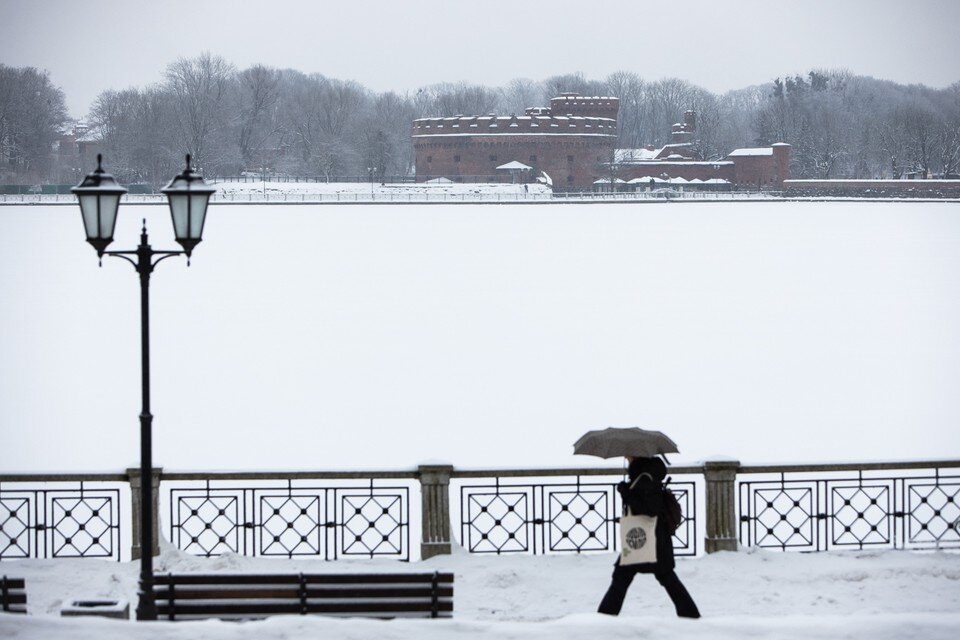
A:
[243,596]
[13,595]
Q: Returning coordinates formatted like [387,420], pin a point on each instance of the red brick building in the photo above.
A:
[573,142]
[758,167]
[570,142]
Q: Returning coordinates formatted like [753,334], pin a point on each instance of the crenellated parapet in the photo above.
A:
[514,125]
[573,104]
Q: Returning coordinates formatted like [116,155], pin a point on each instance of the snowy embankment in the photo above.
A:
[876,595]
[365,189]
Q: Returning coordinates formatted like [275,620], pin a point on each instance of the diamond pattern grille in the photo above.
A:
[81,528]
[934,513]
[556,518]
[326,522]
[59,523]
[861,515]
[14,528]
[825,513]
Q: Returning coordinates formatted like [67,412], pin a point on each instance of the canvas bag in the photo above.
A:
[638,537]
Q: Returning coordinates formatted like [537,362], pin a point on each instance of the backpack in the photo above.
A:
[673,514]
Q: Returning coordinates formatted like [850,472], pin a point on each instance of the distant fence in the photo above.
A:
[63,189]
[368,514]
[418,197]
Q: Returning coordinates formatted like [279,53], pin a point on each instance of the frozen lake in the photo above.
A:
[381,336]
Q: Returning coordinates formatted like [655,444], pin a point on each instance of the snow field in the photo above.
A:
[361,337]
[893,595]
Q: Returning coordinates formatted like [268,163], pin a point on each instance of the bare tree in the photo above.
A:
[519,94]
[258,93]
[31,113]
[202,89]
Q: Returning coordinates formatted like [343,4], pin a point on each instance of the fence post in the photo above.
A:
[435,509]
[721,478]
[133,477]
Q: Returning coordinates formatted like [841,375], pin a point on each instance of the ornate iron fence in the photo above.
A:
[861,510]
[62,522]
[368,514]
[556,517]
[289,520]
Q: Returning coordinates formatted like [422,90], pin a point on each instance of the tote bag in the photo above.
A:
[638,538]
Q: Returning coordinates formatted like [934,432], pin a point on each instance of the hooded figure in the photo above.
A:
[643,494]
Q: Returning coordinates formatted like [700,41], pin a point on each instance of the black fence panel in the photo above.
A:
[289,521]
[82,522]
[557,517]
[820,513]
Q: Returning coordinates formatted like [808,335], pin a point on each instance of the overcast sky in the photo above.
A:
[92,46]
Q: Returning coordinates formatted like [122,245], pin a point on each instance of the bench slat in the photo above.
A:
[341,578]
[279,608]
[384,595]
[13,596]
[188,593]
[16,598]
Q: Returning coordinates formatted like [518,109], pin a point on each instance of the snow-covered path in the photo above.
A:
[877,595]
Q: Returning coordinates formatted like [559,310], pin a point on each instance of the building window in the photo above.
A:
[429,158]
[493,158]
[569,179]
[456,158]
[533,158]
[569,158]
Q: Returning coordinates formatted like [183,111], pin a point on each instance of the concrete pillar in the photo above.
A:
[721,477]
[133,477]
[435,509]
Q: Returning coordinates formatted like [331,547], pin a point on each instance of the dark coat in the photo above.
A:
[646,498]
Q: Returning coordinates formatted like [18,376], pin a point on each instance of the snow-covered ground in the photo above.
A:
[366,190]
[260,186]
[889,595]
[376,336]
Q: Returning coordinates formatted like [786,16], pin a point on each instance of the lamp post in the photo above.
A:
[99,198]
[370,171]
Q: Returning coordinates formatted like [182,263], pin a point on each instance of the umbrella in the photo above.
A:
[614,442]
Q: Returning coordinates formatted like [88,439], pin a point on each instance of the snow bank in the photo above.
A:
[365,188]
[756,594]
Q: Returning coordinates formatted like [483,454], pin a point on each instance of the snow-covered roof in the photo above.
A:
[675,156]
[607,181]
[635,155]
[646,180]
[579,97]
[754,151]
[513,165]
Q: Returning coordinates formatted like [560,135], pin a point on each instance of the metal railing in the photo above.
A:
[413,196]
[545,514]
[279,515]
[849,506]
[367,514]
[64,517]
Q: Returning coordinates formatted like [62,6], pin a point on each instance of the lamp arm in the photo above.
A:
[124,255]
[164,255]
[136,265]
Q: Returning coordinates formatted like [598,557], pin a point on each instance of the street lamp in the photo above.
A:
[99,197]
[370,171]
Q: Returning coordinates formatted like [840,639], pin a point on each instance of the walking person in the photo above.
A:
[643,494]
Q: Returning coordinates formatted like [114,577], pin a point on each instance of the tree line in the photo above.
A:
[286,122]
